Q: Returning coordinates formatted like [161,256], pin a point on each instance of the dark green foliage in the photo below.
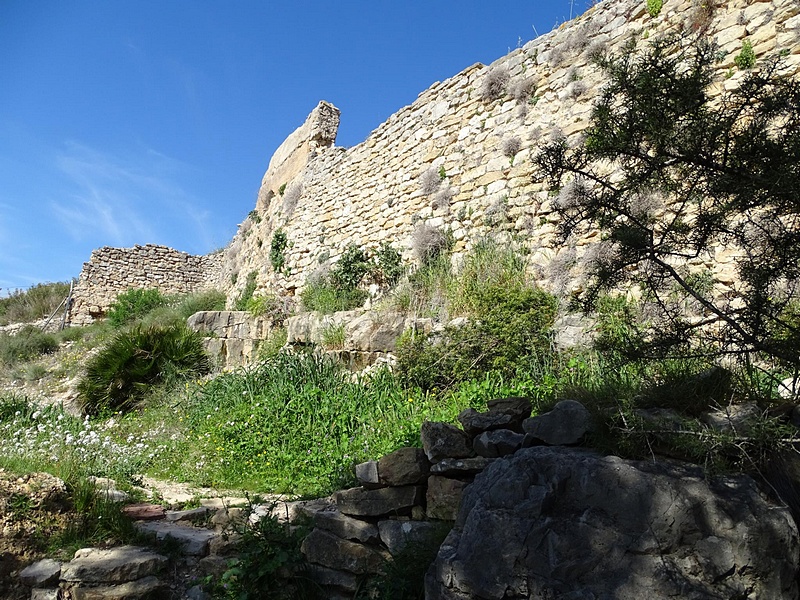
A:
[509,324]
[727,174]
[746,59]
[389,265]
[340,288]
[134,304]
[277,249]
[247,292]
[29,343]
[270,565]
[119,376]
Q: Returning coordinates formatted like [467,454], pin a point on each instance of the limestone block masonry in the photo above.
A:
[111,271]
[459,158]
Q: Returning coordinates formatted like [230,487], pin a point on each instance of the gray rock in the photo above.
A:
[568,523]
[367,473]
[124,563]
[215,565]
[323,548]
[41,573]
[442,440]
[460,466]
[503,413]
[196,592]
[147,588]
[415,535]
[361,502]
[565,425]
[734,418]
[444,497]
[404,466]
[331,577]
[193,540]
[45,594]
[501,442]
[345,527]
[191,515]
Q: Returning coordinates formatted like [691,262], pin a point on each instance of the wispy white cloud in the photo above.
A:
[126,200]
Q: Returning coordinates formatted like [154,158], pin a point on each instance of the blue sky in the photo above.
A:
[129,122]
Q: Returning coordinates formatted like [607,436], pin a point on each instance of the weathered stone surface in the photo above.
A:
[324,548]
[442,440]
[332,577]
[460,466]
[734,418]
[41,573]
[503,413]
[565,425]
[115,565]
[362,502]
[444,497]
[367,473]
[404,466]
[147,588]
[345,527]
[144,511]
[191,515]
[500,442]
[561,522]
[193,540]
[44,594]
[399,535]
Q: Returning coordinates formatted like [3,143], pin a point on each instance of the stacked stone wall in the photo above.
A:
[111,271]
[460,159]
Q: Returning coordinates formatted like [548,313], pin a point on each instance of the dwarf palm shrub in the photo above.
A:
[119,375]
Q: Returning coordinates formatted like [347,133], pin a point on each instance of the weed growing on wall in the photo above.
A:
[495,83]
[746,59]
[654,7]
[277,250]
[247,292]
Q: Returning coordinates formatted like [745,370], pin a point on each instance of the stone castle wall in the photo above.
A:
[382,189]
[458,158]
[111,271]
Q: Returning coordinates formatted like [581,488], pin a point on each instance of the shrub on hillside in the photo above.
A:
[509,324]
[29,343]
[37,302]
[495,83]
[119,376]
[134,304]
[428,243]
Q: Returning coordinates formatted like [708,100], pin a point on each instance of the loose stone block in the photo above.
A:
[125,563]
[374,503]
[405,466]
[324,548]
[444,497]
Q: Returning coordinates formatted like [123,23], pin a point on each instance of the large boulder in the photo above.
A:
[554,522]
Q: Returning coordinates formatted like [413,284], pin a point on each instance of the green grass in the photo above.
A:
[37,302]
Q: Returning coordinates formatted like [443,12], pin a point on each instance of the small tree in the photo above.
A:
[668,173]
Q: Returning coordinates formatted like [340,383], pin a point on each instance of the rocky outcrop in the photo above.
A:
[554,522]
[231,337]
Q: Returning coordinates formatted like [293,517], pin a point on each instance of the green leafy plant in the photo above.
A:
[247,292]
[28,343]
[333,336]
[746,59]
[134,304]
[37,302]
[120,375]
[282,189]
[277,250]
[654,7]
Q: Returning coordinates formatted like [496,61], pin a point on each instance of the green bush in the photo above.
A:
[746,59]
[508,325]
[654,7]
[270,564]
[120,375]
[37,302]
[134,304]
[277,249]
[209,300]
[29,343]
[323,296]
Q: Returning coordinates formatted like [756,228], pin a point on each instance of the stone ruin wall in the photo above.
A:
[325,197]
[373,193]
[111,271]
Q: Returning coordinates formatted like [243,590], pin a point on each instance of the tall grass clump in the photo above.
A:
[119,376]
[37,302]
[298,423]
